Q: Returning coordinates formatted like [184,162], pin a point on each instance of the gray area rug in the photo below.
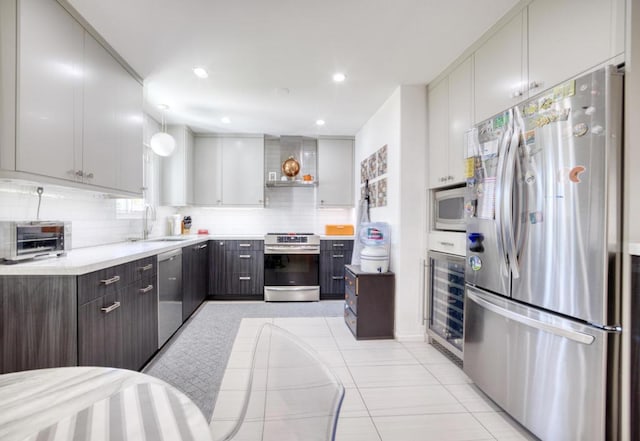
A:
[195,358]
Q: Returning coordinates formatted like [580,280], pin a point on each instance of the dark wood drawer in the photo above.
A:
[350,282]
[351,320]
[244,261]
[336,245]
[351,300]
[105,281]
[144,267]
[244,245]
[244,283]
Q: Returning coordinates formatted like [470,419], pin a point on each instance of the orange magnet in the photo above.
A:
[574,174]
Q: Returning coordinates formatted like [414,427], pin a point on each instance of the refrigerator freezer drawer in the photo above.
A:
[548,372]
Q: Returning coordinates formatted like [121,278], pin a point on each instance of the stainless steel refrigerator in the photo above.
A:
[542,313]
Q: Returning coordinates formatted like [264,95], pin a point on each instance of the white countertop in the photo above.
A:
[85,260]
[634,248]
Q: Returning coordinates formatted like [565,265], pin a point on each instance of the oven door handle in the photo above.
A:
[288,288]
[306,250]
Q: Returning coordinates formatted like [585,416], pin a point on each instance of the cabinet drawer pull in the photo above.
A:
[244,278]
[447,244]
[337,277]
[338,256]
[245,256]
[202,247]
[146,267]
[108,309]
[147,289]
[114,279]
[245,245]
[338,245]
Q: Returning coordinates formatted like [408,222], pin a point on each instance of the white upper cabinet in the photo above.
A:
[438,102]
[500,80]
[450,108]
[176,171]
[460,120]
[101,134]
[207,171]
[243,171]
[50,91]
[571,36]
[335,172]
[79,116]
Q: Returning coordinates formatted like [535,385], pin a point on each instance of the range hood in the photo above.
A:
[279,149]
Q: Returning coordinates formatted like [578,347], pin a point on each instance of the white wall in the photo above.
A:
[400,123]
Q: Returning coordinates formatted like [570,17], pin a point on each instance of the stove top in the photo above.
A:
[290,234]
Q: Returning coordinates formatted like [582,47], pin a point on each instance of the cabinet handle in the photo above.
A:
[146,267]
[259,201]
[113,307]
[245,256]
[202,247]
[337,277]
[338,245]
[450,178]
[145,290]
[79,173]
[244,278]
[106,282]
[89,176]
[245,245]
[534,85]
[517,94]
[446,244]
[338,256]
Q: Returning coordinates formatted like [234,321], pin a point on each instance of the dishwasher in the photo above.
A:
[169,294]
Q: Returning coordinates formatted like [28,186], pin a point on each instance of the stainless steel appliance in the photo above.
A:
[448,209]
[445,300]
[169,294]
[291,267]
[31,239]
[542,314]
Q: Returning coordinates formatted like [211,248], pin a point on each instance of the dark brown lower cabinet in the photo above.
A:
[120,328]
[195,274]
[38,327]
[369,303]
[100,331]
[236,269]
[334,255]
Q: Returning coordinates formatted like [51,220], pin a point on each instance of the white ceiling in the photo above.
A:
[254,48]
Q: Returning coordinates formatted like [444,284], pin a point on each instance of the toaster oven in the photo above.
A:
[29,239]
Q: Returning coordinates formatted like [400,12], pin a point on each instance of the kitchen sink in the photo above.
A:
[169,239]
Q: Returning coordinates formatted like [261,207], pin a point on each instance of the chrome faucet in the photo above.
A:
[149,215]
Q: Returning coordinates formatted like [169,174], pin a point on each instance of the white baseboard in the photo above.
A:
[411,337]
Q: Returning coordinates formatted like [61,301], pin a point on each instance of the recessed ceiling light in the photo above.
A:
[200,72]
[225,120]
[339,77]
[320,122]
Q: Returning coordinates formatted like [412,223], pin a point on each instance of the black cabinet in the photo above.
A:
[195,275]
[334,255]
[236,269]
[117,315]
[369,303]
[38,326]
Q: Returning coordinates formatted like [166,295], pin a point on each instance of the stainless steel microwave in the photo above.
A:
[30,239]
[448,209]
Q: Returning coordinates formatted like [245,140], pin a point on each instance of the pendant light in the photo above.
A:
[162,143]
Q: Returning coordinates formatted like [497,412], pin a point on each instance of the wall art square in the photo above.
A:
[373,194]
[373,166]
[364,170]
[381,193]
[382,160]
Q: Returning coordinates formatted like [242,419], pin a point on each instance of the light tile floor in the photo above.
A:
[394,391]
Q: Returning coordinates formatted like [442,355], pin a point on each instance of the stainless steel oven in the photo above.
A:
[291,267]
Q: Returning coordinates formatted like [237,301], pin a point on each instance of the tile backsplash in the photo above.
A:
[97,220]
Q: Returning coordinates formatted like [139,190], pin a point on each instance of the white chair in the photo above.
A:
[291,396]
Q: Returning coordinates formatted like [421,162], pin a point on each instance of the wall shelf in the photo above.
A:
[277,184]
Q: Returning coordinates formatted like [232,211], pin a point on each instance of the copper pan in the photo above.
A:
[290,167]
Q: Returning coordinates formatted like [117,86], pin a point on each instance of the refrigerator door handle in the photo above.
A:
[507,203]
[576,336]
[499,192]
